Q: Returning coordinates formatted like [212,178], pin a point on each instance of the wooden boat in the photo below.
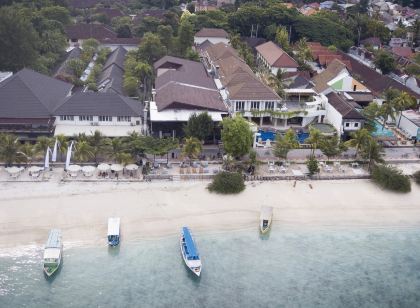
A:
[189,251]
[113,231]
[53,252]
[266,218]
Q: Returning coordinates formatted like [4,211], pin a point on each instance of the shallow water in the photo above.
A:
[289,268]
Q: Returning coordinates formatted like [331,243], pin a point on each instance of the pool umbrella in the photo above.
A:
[117,167]
[103,167]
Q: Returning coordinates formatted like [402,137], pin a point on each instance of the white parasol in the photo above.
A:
[131,167]
[14,170]
[35,169]
[88,169]
[117,167]
[103,167]
[74,168]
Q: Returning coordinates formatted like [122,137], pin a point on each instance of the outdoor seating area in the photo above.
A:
[103,172]
[21,173]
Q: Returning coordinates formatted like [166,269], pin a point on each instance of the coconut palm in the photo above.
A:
[386,111]
[27,152]
[403,102]
[372,152]
[358,138]
[314,139]
[276,82]
[83,152]
[124,158]
[9,148]
[42,143]
[285,143]
[192,148]
[63,142]
[99,144]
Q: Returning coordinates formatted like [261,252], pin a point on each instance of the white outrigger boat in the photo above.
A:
[189,252]
[266,218]
[53,252]
[113,231]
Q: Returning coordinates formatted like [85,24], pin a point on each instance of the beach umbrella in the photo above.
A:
[54,153]
[47,159]
[117,167]
[14,170]
[74,168]
[131,167]
[88,169]
[103,167]
[34,169]
[68,157]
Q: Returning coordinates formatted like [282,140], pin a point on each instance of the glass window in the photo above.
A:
[255,105]
[105,118]
[347,124]
[356,124]
[269,105]
[240,106]
[67,118]
[85,118]
[124,119]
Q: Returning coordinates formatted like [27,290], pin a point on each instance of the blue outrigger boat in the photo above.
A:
[189,251]
[113,231]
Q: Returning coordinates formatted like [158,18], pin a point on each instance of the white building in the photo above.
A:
[274,58]
[212,35]
[86,112]
[409,123]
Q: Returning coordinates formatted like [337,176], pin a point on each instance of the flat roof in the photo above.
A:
[179,115]
[88,130]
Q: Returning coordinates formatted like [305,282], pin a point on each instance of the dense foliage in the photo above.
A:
[236,136]
[391,178]
[312,165]
[227,183]
[200,126]
[416,176]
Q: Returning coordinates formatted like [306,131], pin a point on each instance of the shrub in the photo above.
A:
[227,183]
[416,177]
[391,178]
[312,164]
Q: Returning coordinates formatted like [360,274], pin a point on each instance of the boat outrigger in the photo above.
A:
[266,218]
[189,252]
[53,252]
[113,231]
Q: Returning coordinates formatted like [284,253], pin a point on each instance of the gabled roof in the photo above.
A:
[212,32]
[117,57]
[185,85]
[63,68]
[374,41]
[402,52]
[321,80]
[100,104]
[344,107]
[275,56]
[112,75]
[85,31]
[29,94]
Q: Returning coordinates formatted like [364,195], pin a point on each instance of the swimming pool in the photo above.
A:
[380,131]
[264,135]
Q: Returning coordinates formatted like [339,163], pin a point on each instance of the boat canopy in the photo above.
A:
[190,249]
[54,239]
[52,253]
[113,226]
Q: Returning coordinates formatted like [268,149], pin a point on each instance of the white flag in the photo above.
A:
[54,153]
[69,155]
[47,158]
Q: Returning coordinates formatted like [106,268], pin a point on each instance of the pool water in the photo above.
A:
[382,131]
[264,135]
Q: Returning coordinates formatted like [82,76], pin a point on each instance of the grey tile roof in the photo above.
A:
[63,69]
[212,32]
[344,107]
[99,104]
[112,76]
[29,94]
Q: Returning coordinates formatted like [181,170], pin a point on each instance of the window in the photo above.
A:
[347,124]
[124,119]
[255,105]
[67,118]
[85,118]
[269,105]
[356,124]
[240,106]
[105,118]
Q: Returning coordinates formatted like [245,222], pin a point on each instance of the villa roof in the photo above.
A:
[344,107]
[112,75]
[321,80]
[99,103]
[275,56]
[212,32]
[63,68]
[29,94]
[100,32]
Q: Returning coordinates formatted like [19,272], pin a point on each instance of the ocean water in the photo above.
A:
[288,268]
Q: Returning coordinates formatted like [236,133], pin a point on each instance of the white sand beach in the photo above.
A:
[158,209]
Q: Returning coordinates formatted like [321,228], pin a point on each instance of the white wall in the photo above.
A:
[114,121]
[213,40]
[408,126]
[333,117]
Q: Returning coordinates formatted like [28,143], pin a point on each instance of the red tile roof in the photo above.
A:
[275,56]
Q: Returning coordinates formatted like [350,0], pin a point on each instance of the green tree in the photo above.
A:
[130,86]
[303,52]
[151,48]
[165,34]
[372,152]
[192,148]
[285,143]
[9,148]
[83,151]
[42,143]
[312,165]
[200,126]
[99,145]
[57,13]
[391,178]
[185,36]
[77,66]
[282,38]
[403,102]
[314,139]
[63,145]
[385,62]
[358,139]
[227,183]
[18,40]
[27,152]
[236,136]
[331,146]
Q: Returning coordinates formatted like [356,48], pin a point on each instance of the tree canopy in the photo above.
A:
[236,136]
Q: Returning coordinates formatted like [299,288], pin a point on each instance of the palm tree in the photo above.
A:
[124,158]
[9,148]
[27,152]
[192,148]
[314,139]
[372,151]
[303,51]
[117,147]
[63,142]
[387,111]
[276,82]
[403,102]
[359,138]
[99,144]
[42,143]
[84,151]
[285,143]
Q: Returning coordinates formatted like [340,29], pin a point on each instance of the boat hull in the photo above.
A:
[195,269]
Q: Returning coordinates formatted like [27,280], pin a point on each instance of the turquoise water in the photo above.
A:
[290,268]
[382,131]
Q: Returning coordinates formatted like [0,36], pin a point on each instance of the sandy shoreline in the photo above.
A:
[159,209]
